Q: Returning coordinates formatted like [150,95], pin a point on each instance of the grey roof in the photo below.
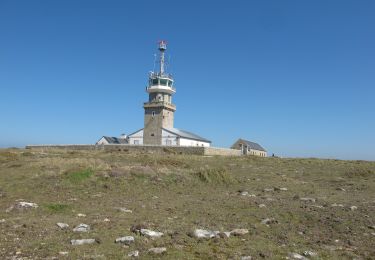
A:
[115,140]
[252,145]
[186,134]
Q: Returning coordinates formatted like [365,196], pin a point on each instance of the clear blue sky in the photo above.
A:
[296,76]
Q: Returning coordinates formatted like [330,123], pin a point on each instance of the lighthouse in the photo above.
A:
[159,110]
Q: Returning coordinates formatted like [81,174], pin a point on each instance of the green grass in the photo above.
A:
[79,176]
[57,207]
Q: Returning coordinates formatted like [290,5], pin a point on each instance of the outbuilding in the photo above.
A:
[249,148]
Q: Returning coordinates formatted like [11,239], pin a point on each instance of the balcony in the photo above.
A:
[161,88]
[159,104]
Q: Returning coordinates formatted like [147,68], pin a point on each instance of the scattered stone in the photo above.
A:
[107,220]
[269,221]
[62,225]
[246,257]
[82,228]
[244,193]
[157,250]
[308,199]
[78,242]
[297,256]
[151,233]
[125,240]
[284,189]
[26,205]
[337,205]
[373,234]
[80,215]
[239,232]
[201,233]
[262,205]
[134,253]
[310,254]
[268,189]
[317,206]
[124,210]
[2,220]
[353,207]
[226,234]
[63,253]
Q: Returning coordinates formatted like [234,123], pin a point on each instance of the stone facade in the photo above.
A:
[156,118]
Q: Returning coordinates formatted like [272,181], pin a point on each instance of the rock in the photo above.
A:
[244,193]
[125,240]
[262,205]
[78,242]
[63,253]
[353,207]
[340,189]
[269,221]
[124,210]
[26,205]
[201,233]
[297,256]
[2,220]
[82,228]
[80,215]
[268,189]
[371,227]
[283,189]
[308,199]
[107,220]
[239,232]
[246,257]
[337,205]
[310,254]
[157,250]
[225,234]
[62,225]
[134,253]
[150,233]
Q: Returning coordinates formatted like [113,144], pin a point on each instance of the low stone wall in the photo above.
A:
[221,151]
[193,150]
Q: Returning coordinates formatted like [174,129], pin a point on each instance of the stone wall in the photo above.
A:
[193,150]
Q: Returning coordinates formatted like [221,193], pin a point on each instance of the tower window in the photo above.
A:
[152,134]
[155,82]
[163,82]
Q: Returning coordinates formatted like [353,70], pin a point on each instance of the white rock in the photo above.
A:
[125,240]
[268,189]
[157,250]
[64,253]
[227,234]
[78,242]
[239,232]
[310,253]
[297,256]
[2,220]
[308,199]
[283,189]
[124,210]
[80,215]
[27,205]
[252,195]
[246,257]
[353,207]
[62,225]
[82,228]
[107,220]
[134,254]
[201,233]
[262,205]
[337,205]
[244,193]
[151,233]
[268,221]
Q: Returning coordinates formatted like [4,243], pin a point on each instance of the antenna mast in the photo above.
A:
[162,48]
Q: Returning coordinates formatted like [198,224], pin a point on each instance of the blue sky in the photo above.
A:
[296,76]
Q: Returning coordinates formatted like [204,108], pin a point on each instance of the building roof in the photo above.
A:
[252,145]
[115,140]
[186,134]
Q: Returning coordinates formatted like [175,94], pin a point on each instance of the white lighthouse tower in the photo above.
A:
[159,110]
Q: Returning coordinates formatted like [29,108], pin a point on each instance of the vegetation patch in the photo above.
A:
[79,176]
[56,207]
[214,175]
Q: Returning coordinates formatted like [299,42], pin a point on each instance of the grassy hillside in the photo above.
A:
[309,204]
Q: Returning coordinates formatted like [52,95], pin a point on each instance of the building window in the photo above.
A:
[136,142]
[152,134]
